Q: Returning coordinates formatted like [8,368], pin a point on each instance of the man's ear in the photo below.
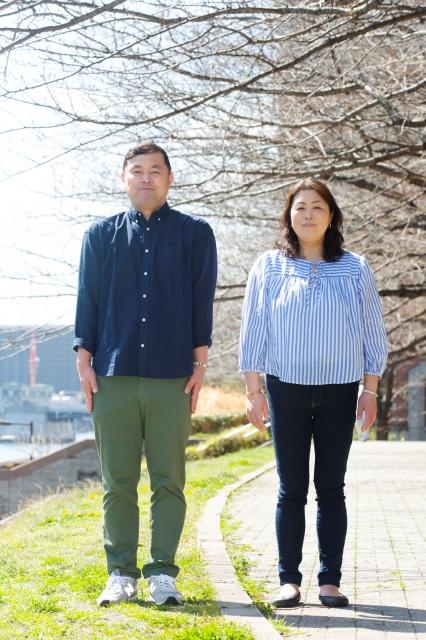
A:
[171,178]
[122,176]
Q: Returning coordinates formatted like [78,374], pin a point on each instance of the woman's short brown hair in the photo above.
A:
[333,240]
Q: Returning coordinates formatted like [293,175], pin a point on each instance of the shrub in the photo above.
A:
[216,423]
[218,446]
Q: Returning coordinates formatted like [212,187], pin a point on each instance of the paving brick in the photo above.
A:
[384,570]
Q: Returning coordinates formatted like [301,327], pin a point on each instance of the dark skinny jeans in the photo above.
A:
[326,414]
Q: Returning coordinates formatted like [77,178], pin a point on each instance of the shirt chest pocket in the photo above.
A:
[169,260]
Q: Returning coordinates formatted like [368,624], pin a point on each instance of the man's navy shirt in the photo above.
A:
[145,293]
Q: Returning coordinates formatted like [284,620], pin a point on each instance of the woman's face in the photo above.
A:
[310,216]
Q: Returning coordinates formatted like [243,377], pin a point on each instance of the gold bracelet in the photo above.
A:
[372,393]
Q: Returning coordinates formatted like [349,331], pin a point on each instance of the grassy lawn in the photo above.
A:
[52,567]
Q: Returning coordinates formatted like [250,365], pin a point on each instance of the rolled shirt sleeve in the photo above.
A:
[89,286]
[204,269]
[375,339]
[254,320]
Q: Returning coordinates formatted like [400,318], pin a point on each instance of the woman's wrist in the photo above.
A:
[370,384]
[253,393]
[370,392]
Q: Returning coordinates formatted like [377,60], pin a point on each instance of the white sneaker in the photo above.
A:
[118,589]
[163,590]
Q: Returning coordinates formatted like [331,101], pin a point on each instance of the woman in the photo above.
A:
[312,322]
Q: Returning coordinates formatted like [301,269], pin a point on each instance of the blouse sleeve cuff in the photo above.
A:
[255,368]
[374,373]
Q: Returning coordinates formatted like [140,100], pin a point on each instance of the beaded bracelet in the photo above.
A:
[198,363]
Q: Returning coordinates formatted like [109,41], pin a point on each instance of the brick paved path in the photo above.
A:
[384,571]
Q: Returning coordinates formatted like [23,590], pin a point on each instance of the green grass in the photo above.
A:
[52,567]
[256,589]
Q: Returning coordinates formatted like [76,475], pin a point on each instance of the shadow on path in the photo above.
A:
[377,617]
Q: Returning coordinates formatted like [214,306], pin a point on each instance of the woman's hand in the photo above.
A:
[367,404]
[257,409]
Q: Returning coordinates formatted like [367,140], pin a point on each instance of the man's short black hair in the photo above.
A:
[146,147]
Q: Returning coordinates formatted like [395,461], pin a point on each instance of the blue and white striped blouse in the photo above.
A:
[312,323]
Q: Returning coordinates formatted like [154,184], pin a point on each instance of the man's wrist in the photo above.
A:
[84,357]
[200,363]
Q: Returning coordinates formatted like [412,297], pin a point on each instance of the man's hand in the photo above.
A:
[194,384]
[87,376]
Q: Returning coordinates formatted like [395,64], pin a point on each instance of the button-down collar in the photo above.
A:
[159,215]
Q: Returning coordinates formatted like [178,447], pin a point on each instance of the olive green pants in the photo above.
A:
[129,411]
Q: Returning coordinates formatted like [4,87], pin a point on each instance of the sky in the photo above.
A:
[30,230]
[41,232]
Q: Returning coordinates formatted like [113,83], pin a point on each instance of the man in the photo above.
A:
[143,328]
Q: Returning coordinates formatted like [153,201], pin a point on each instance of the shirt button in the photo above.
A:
[147,228]
[145,273]
[143,319]
[159,219]
[146,250]
[144,295]
[142,346]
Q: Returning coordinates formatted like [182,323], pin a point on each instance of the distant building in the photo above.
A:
[50,362]
[56,417]
[408,411]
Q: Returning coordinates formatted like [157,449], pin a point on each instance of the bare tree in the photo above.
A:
[249,97]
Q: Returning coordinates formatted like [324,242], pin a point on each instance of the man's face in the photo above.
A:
[146,180]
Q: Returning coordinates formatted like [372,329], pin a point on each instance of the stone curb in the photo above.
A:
[234,602]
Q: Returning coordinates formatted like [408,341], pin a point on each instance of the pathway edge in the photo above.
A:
[234,602]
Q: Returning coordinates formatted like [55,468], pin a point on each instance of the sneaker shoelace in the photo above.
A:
[116,584]
[167,582]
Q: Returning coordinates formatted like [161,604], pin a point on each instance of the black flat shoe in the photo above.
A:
[334,601]
[282,602]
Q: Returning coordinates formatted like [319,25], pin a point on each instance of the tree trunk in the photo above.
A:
[384,403]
